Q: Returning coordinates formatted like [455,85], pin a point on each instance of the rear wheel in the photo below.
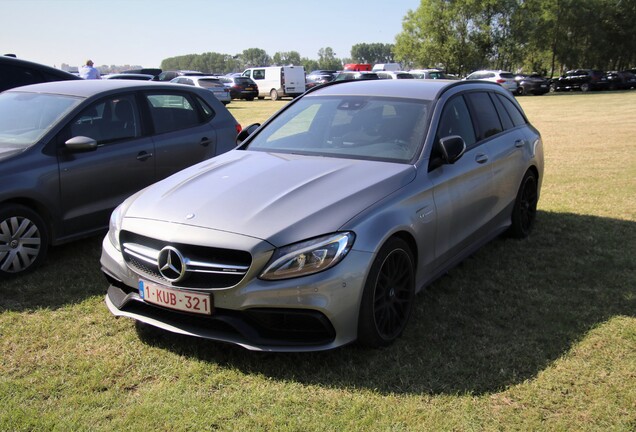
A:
[273,94]
[585,87]
[524,212]
[388,295]
[23,240]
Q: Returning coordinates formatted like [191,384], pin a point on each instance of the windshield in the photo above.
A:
[26,117]
[360,127]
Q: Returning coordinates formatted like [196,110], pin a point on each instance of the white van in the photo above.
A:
[393,67]
[278,81]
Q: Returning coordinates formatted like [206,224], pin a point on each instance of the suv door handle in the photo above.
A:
[205,141]
[520,143]
[481,158]
[142,156]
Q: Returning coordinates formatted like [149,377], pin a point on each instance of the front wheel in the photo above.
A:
[23,240]
[524,212]
[585,87]
[388,295]
[273,94]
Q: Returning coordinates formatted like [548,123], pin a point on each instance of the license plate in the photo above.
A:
[176,299]
[249,88]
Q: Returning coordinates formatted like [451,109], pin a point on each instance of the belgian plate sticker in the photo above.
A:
[142,293]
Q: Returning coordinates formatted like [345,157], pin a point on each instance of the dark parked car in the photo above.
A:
[318,77]
[129,76]
[327,220]
[172,74]
[532,84]
[621,80]
[240,87]
[16,72]
[72,151]
[147,71]
[350,76]
[580,79]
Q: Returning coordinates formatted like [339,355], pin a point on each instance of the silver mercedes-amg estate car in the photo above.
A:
[322,225]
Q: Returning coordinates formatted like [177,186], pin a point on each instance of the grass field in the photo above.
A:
[526,335]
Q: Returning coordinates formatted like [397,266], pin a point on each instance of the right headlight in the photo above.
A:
[308,257]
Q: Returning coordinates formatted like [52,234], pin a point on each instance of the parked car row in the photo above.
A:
[592,79]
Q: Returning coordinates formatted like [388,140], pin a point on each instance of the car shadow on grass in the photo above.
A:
[498,319]
[70,274]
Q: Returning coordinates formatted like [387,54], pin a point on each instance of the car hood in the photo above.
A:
[7,152]
[281,198]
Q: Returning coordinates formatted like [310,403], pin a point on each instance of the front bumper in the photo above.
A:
[312,313]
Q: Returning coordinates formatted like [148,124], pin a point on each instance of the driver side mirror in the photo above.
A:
[452,148]
[246,132]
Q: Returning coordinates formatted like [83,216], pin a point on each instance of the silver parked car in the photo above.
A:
[212,83]
[321,227]
[72,151]
[503,78]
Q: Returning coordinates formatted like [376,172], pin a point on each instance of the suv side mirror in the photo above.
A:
[246,132]
[80,144]
[452,148]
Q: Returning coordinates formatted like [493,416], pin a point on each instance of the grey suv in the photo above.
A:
[320,228]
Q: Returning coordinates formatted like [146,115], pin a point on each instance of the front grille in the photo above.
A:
[203,267]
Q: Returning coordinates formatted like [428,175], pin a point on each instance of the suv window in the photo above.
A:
[517,118]
[455,120]
[484,114]
[172,111]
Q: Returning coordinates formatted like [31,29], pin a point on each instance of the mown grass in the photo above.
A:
[537,334]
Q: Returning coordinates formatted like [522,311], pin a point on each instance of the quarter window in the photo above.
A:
[517,118]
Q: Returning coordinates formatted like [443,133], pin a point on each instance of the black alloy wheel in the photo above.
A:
[388,295]
[524,212]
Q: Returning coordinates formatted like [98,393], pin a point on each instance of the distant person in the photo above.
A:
[88,71]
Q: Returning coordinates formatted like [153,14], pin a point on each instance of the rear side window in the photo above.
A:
[171,112]
[485,115]
[517,118]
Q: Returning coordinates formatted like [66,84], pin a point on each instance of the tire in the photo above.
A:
[388,296]
[249,99]
[24,240]
[553,88]
[524,211]
[521,91]
[585,87]
[273,94]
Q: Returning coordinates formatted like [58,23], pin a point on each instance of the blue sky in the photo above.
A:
[144,32]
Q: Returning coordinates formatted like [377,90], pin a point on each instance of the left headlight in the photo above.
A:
[308,257]
[116,218]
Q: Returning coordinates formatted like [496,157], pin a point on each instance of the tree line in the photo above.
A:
[460,36]
[547,36]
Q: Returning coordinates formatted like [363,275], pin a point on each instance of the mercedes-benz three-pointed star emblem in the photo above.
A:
[171,264]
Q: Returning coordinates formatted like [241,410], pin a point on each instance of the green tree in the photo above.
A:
[253,57]
[372,53]
[327,59]
[286,58]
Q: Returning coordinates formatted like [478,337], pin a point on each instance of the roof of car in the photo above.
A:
[16,61]
[418,89]
[87,88]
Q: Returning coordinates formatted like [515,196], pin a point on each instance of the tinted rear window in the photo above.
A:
[507,75]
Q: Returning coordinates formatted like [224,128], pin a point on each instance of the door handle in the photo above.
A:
[520,143]
[142,156]
[205,141]
[481,158]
